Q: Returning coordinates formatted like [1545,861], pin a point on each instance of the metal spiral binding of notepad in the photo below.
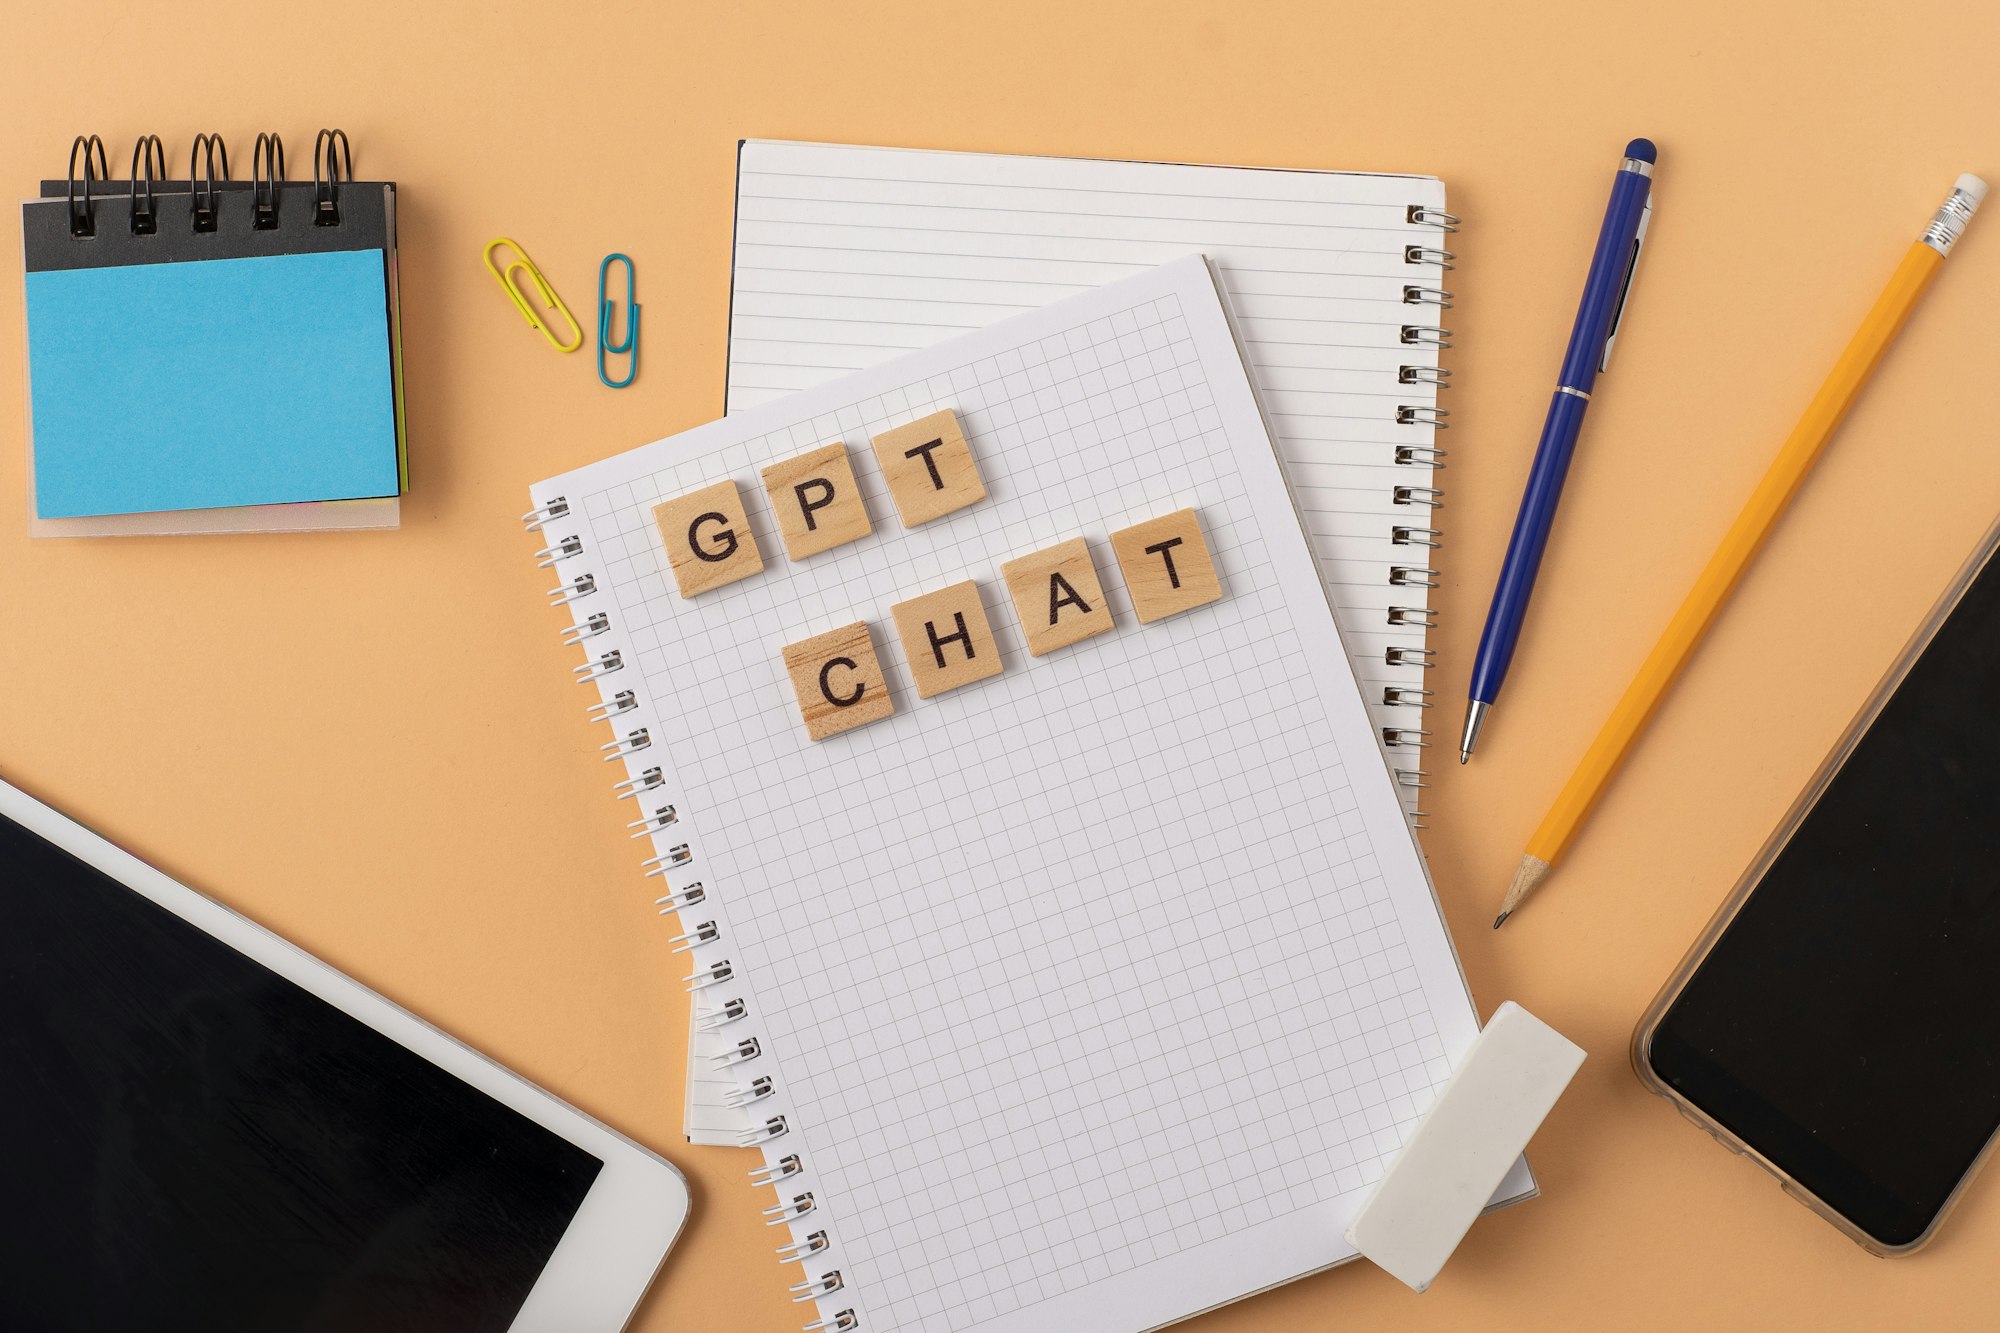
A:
[625,712]
[1427,498]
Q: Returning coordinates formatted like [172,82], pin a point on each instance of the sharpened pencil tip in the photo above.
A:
[1527,875]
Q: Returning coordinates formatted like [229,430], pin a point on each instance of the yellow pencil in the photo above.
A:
[1745,537]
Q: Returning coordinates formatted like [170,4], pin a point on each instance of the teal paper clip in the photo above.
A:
[605,312]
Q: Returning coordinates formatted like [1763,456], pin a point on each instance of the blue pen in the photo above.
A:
[1597,319]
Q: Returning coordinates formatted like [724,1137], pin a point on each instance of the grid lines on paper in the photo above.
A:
[1073,969]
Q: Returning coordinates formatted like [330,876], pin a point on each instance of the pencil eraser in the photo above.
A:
[1464,1146]
[1643,150]
[1970,184]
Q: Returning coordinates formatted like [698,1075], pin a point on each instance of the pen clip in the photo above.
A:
[1625,291]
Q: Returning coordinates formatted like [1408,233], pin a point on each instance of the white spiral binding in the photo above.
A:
[682,898]
[671,859]
[575,590]
[756,1091]
[720,1017]
[665,818]
[815,1287]
[705,933]
[646,781]
[758,1135]
[597,624]
[814,1243]
[630,744]
[561,550]
[714,974]
[542,515]
[747,1049]
[622,702]
[607,662]
[780,1213]
[662,820]
[782,1169]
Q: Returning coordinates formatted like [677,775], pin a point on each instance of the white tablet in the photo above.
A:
[203,1128]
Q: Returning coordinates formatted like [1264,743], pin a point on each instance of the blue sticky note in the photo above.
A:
[211,383]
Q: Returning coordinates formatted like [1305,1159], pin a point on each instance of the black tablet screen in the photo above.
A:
[189,1141]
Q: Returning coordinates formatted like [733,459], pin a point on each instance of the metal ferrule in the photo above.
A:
[1949,223]
[1638,166]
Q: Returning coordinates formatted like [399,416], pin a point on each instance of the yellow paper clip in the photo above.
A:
[507,277]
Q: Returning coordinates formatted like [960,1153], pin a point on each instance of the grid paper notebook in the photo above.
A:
[1088,996]
[846,256]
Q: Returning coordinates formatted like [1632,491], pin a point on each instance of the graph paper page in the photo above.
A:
[1092,994]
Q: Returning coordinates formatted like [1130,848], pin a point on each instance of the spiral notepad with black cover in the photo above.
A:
[208,354]
[1087,996]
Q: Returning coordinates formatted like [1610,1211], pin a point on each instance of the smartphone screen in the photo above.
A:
[1847,1023]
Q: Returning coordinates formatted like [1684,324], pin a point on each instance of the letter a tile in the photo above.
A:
[709,542]
[929,467]
[1167,566]
[838,681]
[1057,596]
[947,639]
[816,501]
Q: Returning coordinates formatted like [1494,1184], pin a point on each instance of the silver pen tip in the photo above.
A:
[1475,716]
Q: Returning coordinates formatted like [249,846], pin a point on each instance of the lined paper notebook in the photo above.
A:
[846,256]
[1087,996]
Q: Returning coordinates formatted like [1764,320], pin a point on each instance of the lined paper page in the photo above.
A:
[846,256]
[1097,992]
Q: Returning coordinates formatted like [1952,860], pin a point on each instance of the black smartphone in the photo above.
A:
[1839,1021]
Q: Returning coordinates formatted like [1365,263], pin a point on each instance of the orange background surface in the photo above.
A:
[370,742]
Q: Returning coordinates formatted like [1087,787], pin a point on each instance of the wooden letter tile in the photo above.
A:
[929,467]
[947,639]
[1167,566]
[838,681]
[1057,595]
[709,542]
[816,501]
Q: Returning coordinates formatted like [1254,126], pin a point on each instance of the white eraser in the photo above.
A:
[1465,1145]
[1972,185]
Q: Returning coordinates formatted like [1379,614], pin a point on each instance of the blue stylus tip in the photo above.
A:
[1643,150]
